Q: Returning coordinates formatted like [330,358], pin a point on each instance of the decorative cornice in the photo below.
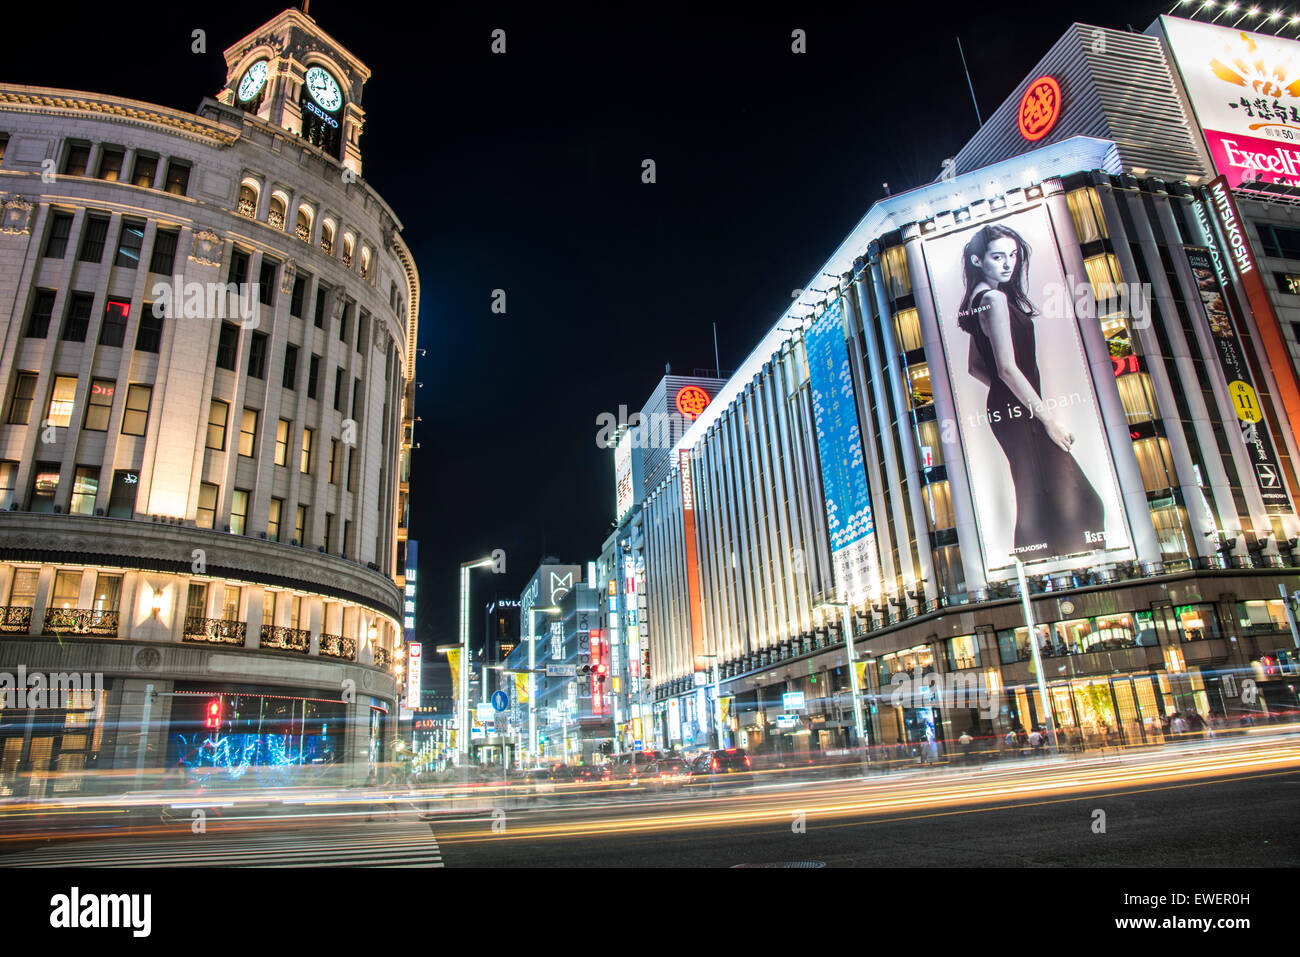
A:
[49,101]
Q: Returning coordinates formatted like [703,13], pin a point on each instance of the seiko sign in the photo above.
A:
[321,113]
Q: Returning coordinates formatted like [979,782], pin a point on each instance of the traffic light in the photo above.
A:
[212,721]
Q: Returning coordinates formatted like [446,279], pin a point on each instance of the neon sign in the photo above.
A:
[1039,108]
[691,400]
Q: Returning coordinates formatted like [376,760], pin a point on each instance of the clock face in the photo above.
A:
[253,81]
[324,90]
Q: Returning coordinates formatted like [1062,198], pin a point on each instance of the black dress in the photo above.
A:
[1055,502]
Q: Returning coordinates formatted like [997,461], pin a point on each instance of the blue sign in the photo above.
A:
[500,701]
[839,448]
[636,746]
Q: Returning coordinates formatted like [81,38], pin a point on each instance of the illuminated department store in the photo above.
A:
[206,508]
[875,464]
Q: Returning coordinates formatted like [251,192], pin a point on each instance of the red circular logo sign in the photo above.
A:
[691,400]
[1039,108]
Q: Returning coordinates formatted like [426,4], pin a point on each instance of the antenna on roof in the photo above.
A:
[717,363]
[966,70]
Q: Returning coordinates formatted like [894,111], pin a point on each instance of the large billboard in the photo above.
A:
[843,468]
[1039,466]
[1245,90]
[625,491]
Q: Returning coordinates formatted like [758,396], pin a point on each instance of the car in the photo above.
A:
[726,767]
[630,768]
[666,774]
[592,775]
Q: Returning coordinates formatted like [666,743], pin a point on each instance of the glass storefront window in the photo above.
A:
[1112,632]
[1170,523]
[1261,617]
[929,442]
[938,505]
[962,652]
[920,392]
[22,593]
[1071,637]
[1146,630]
[907,660]
[1137,397]
[1155,463]
[1085,211]
[1013,644]
[1197,622]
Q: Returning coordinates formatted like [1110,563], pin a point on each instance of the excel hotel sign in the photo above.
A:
[1245,91]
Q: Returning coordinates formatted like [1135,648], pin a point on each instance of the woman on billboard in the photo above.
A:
[1055,504]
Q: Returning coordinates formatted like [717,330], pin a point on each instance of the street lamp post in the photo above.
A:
[855,687]
[1037,657]
[532,678]
[462,716]
[717,699]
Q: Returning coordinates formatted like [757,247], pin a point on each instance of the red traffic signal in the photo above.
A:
[213,719]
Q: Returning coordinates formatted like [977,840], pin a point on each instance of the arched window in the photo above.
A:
[327,237]
[275,216]
[303,227]
[348,244]
[248,199]
[365,262]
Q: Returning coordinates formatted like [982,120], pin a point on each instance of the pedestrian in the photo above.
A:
[1035,741]
[966,741]
[1178,726]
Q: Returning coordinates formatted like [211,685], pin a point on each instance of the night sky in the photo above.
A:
[522,172]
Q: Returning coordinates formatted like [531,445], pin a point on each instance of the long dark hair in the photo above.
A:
[1014,288]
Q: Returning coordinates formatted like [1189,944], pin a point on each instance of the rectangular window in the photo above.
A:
[289,379]
[268,609]
[38,320]
[108,592]
[282,442]
[273,519]
[67,589]
[206,515]
[77,320]
[345,324]
[257,356]
[20,408]
[238,266]
[347,537]
[196,600]
[962,652]
[93,237]
[356,400]
[178,177]
[898,280]
[112,330]
[907,326]
[334,457]
[266,281]
[230,603]
[305,459]
[99,405]
[136,417]
[363,331]
[85,486]
[228,346]
[338,389]
[322,299]
[145,170]
[217,413]
[45,485]
[110,163]
[247,432]
[299,293]
[1155,463]
[1085,210]
[56,246]
[329,531]
[148,337]
[130,243]
[239,511]
[163,259]
[352,471]
[8,483]
[22,594]
[121,499]
[61,398]
[78,159]
[300,525]
[313,376]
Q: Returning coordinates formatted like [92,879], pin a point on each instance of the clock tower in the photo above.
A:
[291,73]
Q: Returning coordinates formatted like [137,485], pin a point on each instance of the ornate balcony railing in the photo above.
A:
[336,646]
[327,246]
[286,639]
[275,219]
[381,658]
[347,260]
[247,208]
[219,631]
[15,619]
[80,621]
[303,232]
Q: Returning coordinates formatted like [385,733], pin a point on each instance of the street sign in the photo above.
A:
[793,701]
[500,701]
[637,746]
[561,671]
[500,723]
[787,720]
[483,711]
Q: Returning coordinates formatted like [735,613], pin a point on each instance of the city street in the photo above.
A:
[1180,806]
